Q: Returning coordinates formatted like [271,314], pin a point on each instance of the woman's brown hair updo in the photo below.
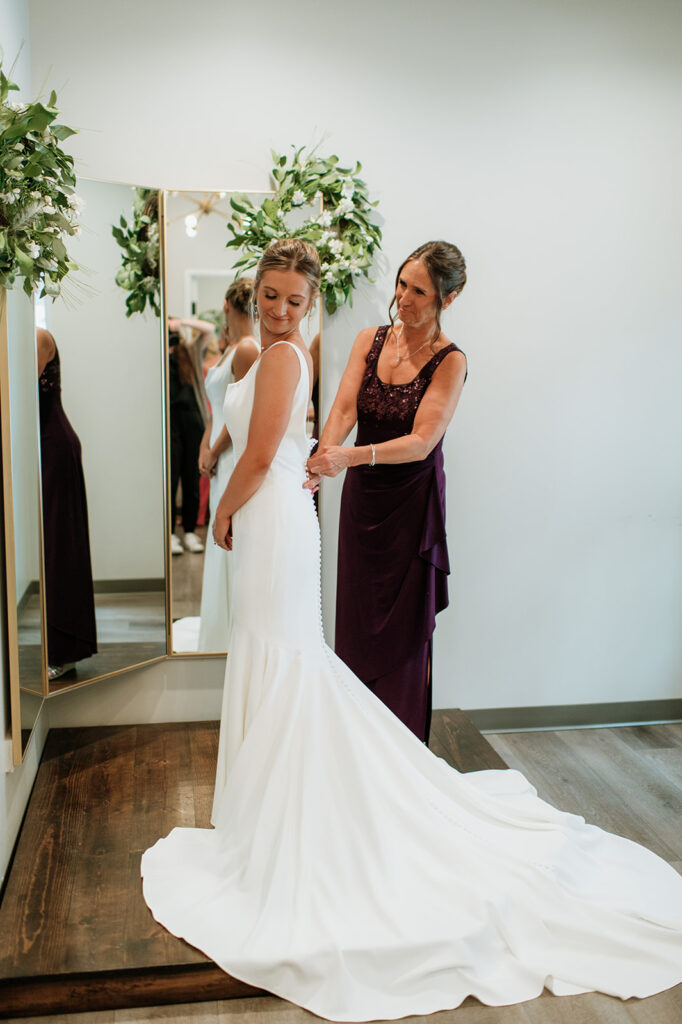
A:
[291,254]
[240,295]
[447,270]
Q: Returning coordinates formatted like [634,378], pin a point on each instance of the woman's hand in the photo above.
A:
[329,461]
[312,482]
[222,530]
[207,462]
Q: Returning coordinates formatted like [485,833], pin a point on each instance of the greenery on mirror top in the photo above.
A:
[343,232]
[38,203]
[139,240]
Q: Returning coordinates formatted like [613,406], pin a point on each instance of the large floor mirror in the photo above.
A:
[209,325]
[111,368]
[83,472]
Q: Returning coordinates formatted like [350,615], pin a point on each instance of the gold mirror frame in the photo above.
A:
[25,700]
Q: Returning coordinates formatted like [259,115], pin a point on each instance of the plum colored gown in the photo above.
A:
[393,557]
[69,596]
[352,871]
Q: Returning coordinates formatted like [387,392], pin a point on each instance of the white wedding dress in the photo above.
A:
[352,871]
[214,619]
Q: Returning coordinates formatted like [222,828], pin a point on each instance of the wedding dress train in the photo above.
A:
[352,871]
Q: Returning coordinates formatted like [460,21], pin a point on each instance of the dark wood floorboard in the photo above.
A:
[77,933]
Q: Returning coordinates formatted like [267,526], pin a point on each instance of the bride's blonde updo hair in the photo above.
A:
[291,254]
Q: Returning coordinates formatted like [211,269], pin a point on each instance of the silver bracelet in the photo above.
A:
[374,455]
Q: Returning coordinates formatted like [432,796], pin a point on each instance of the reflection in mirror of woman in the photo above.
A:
[69,596]
[188,340]
[210,631]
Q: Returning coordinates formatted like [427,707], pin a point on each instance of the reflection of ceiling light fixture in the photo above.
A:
[205,203]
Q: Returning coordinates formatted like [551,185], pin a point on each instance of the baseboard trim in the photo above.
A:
[575,716]
[132,586]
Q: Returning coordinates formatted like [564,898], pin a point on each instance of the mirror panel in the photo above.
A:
[112,396]
[21,487]
[198,271]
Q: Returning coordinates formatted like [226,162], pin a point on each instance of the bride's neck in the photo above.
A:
[267,339]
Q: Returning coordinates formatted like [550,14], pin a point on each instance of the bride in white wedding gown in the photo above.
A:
[350,870]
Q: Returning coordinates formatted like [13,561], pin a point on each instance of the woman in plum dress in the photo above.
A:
[401,385]
[350,870]
[69,594]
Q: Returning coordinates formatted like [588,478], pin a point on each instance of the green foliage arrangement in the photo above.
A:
[139,240]
[341,226]
[38,204]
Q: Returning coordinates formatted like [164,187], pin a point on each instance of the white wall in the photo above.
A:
[543,139]
[111,392]
[15,788]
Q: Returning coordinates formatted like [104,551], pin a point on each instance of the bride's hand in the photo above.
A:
[207,462]
[329,461]
[222,530]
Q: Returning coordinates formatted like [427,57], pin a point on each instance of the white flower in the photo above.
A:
[8,198]
[325,219]
[298,197]
[36,195]
[345,206]
[33,249]
[330,277]
[48,207]
[75,202]
[336,246]
[18,107]
[343,264]
[324,238]
[348,190]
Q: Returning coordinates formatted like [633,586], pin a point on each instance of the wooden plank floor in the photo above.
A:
[77,934]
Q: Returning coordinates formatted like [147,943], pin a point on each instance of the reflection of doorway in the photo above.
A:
[205,290]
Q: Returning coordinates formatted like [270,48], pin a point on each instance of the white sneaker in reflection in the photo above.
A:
[192,543]
[176,545]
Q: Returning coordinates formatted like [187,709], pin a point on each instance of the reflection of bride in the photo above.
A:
[350,870]
[216,459]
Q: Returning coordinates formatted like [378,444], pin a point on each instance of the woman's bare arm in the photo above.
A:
[245,355]
[433,415]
